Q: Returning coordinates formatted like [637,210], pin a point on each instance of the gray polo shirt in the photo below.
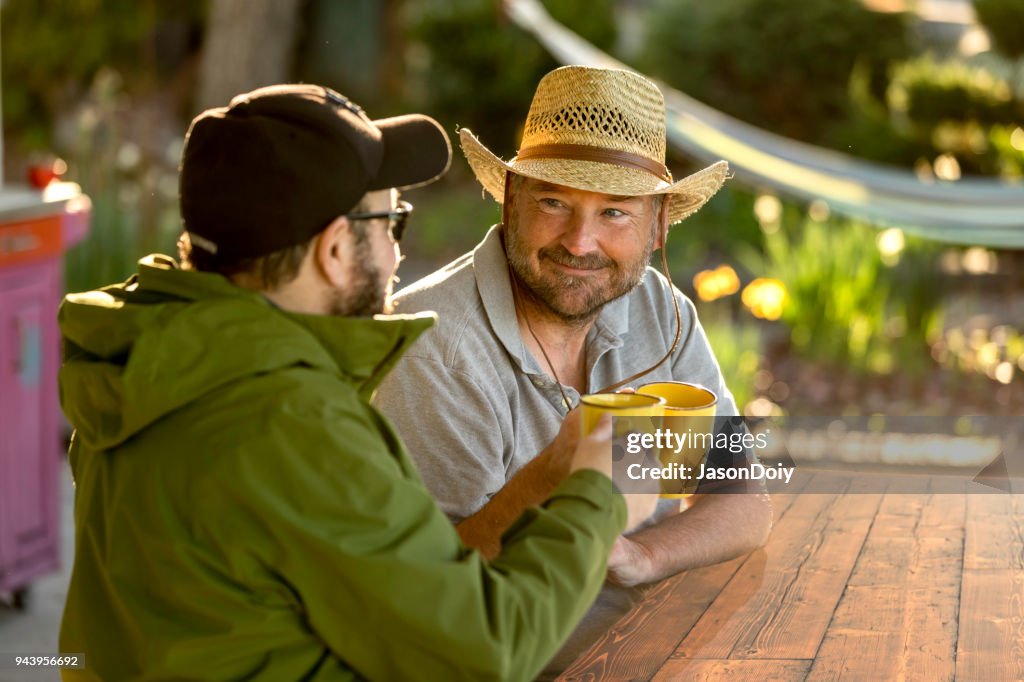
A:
[473,405]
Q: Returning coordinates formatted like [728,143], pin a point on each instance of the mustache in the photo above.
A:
[560,255]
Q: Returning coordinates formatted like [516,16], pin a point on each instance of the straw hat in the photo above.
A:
[601,130]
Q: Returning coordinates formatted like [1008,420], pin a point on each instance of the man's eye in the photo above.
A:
[614,213]
[551,203]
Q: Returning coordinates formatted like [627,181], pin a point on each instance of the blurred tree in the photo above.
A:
[780,64]
[868,131]
[932,91]
[53,50]
[392,65]
[474,68]
[358,48]
[248,44]
[966,110]
[1004,21]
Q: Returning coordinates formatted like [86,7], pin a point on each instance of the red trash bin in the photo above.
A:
[36,227]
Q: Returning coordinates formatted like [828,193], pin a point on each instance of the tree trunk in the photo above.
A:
[248,44]
[391,69]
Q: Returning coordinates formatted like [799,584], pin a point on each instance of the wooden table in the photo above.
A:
[879,586]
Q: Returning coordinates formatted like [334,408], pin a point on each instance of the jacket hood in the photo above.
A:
[136,351]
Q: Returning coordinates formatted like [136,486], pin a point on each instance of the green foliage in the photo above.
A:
[845,305]
[836,299]
[930,92]
[119,237]
[1004,21]
[737,347]
[53,49]
[726,226]
[480,71]
[868,131]
[783,65]
[451,217]
[135,209]
[832,73]
[1010,155]
[959,108]
[594,20]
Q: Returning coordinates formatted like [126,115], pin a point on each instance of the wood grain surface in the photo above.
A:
[850,586]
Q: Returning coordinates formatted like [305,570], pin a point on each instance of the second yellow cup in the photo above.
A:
[696,405]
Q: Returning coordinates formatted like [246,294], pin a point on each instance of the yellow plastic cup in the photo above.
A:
[695,406]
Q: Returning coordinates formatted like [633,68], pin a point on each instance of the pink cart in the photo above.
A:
[35,229]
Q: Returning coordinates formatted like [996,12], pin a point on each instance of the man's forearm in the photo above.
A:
[716,528]
[532,485]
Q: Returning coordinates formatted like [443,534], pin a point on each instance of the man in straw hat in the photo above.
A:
[241,510]
[558,301]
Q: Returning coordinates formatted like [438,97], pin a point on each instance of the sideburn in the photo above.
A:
[363,295]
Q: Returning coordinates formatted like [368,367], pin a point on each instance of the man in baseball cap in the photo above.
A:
[241,510]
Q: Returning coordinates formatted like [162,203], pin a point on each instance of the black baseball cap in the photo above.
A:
[278,164]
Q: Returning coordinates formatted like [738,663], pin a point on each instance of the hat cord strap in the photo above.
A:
[516,303]
[675,305]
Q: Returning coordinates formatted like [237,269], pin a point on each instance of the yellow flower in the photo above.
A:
[712,284]
[765,297]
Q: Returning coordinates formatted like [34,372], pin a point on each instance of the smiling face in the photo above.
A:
[575,250]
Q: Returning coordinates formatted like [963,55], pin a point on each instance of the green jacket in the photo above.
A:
[242,512]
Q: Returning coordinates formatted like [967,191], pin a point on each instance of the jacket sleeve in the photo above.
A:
[335,509]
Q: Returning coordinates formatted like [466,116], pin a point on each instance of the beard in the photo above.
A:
[367,292]
[572,299]
[364,297]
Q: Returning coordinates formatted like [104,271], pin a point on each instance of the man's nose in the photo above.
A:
[579,238]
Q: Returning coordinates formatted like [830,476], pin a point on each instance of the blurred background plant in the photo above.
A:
[134,190]
[1003,20]
[963,112]
[846,304]
[474,68]
[805,309]
[104,84]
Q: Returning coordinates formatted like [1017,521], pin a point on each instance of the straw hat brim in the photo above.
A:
[685,197]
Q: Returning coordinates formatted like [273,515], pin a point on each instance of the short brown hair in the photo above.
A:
[271,270]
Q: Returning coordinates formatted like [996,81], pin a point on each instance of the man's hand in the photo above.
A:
[714,528]
[629,563]
[594,451]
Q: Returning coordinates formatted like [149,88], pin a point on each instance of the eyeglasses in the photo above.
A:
[396,218]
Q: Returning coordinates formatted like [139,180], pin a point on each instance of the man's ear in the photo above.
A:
[329,250]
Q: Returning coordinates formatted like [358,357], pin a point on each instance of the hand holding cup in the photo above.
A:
[595,452]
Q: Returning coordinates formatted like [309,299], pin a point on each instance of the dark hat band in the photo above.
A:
[582,152]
